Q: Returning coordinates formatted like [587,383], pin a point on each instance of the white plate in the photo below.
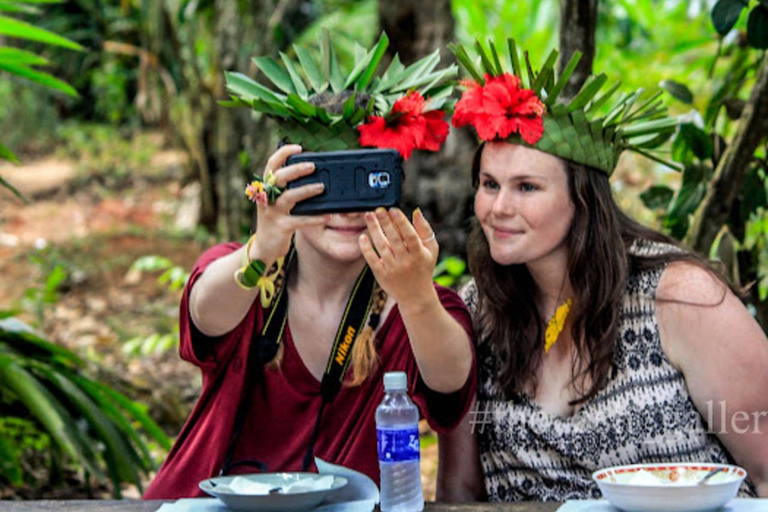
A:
[292,501]
[669,487]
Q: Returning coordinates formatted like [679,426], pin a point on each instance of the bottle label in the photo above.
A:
[398,445]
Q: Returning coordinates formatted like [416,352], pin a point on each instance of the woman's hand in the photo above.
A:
[276,224]
[407,254]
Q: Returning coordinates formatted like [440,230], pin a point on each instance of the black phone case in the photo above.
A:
[355,180]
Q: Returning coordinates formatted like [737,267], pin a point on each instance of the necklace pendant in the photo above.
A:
[556,324]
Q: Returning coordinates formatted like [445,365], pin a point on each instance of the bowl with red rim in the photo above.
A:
[669,487]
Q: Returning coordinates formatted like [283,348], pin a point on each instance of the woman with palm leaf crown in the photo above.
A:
[601,342]
[275,390]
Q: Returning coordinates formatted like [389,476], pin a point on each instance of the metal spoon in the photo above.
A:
[709,475]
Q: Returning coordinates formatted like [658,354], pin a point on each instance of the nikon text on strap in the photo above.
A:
[264,346]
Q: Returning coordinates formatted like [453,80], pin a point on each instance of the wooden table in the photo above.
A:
[151,506]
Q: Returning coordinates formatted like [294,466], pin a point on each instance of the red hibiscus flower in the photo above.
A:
[499,108]
[407,127]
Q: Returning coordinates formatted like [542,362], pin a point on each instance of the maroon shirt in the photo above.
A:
[286,401]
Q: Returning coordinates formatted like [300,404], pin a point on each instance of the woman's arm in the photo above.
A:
[403,263]
[459,473]
[723,354]
[217,304]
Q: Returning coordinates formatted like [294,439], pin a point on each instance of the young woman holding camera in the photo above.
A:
[276,389]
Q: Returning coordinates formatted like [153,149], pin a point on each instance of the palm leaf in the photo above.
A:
[587,92]
[466,62]
[15,28]
[137,413]
[298,83]
[330,63]
[39,77]
[377,54]
[276,74]
[43,406]
[598,103]
[514,59]
[27,342]
[562,80]
[249,89]
[547,70]
[146,461]
[7,154]
[102,426]
[414,73]
[16,56]
[311,71]
[487,64]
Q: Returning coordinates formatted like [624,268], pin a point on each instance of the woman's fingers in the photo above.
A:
[377,236]
[285,175]
[425,232]
[406,230]
[290,197]
[390,231]
[278,158]
[366,247]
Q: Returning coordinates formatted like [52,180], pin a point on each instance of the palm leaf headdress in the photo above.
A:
[525,106]
[324,108]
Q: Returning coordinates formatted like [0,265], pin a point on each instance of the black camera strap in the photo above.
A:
[264,347]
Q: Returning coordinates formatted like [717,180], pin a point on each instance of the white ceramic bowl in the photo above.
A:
[670,487]
[279,502]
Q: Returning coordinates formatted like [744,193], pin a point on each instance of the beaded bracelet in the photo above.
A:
[253,275]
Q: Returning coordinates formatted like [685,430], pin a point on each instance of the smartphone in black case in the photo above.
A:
[355,180]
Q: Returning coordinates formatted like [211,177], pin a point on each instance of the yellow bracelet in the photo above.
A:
[266,280]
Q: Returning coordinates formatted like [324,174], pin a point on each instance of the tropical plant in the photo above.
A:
[174,278]
[529,23]
[726,13]
[23,63]
[87,422]
[451,272]
[721,145]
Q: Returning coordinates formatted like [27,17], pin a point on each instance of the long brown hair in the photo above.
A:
[599,263]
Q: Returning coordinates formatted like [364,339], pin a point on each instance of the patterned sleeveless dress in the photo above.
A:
[644,414]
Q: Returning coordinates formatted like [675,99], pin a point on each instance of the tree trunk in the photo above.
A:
[239,35]
[416,29]
[578,21]
[438,183]
[732,168]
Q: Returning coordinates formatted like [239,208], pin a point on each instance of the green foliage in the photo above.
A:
[94,426]
[28,117]
[106,153]
[110,83]
[174,278]
[726,13]
[699,146]
[18,439]
[451,272]
[25,64]
[756,240]
[53,272]
[532,24]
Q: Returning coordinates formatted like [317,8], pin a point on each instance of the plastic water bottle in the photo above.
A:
[397,432]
